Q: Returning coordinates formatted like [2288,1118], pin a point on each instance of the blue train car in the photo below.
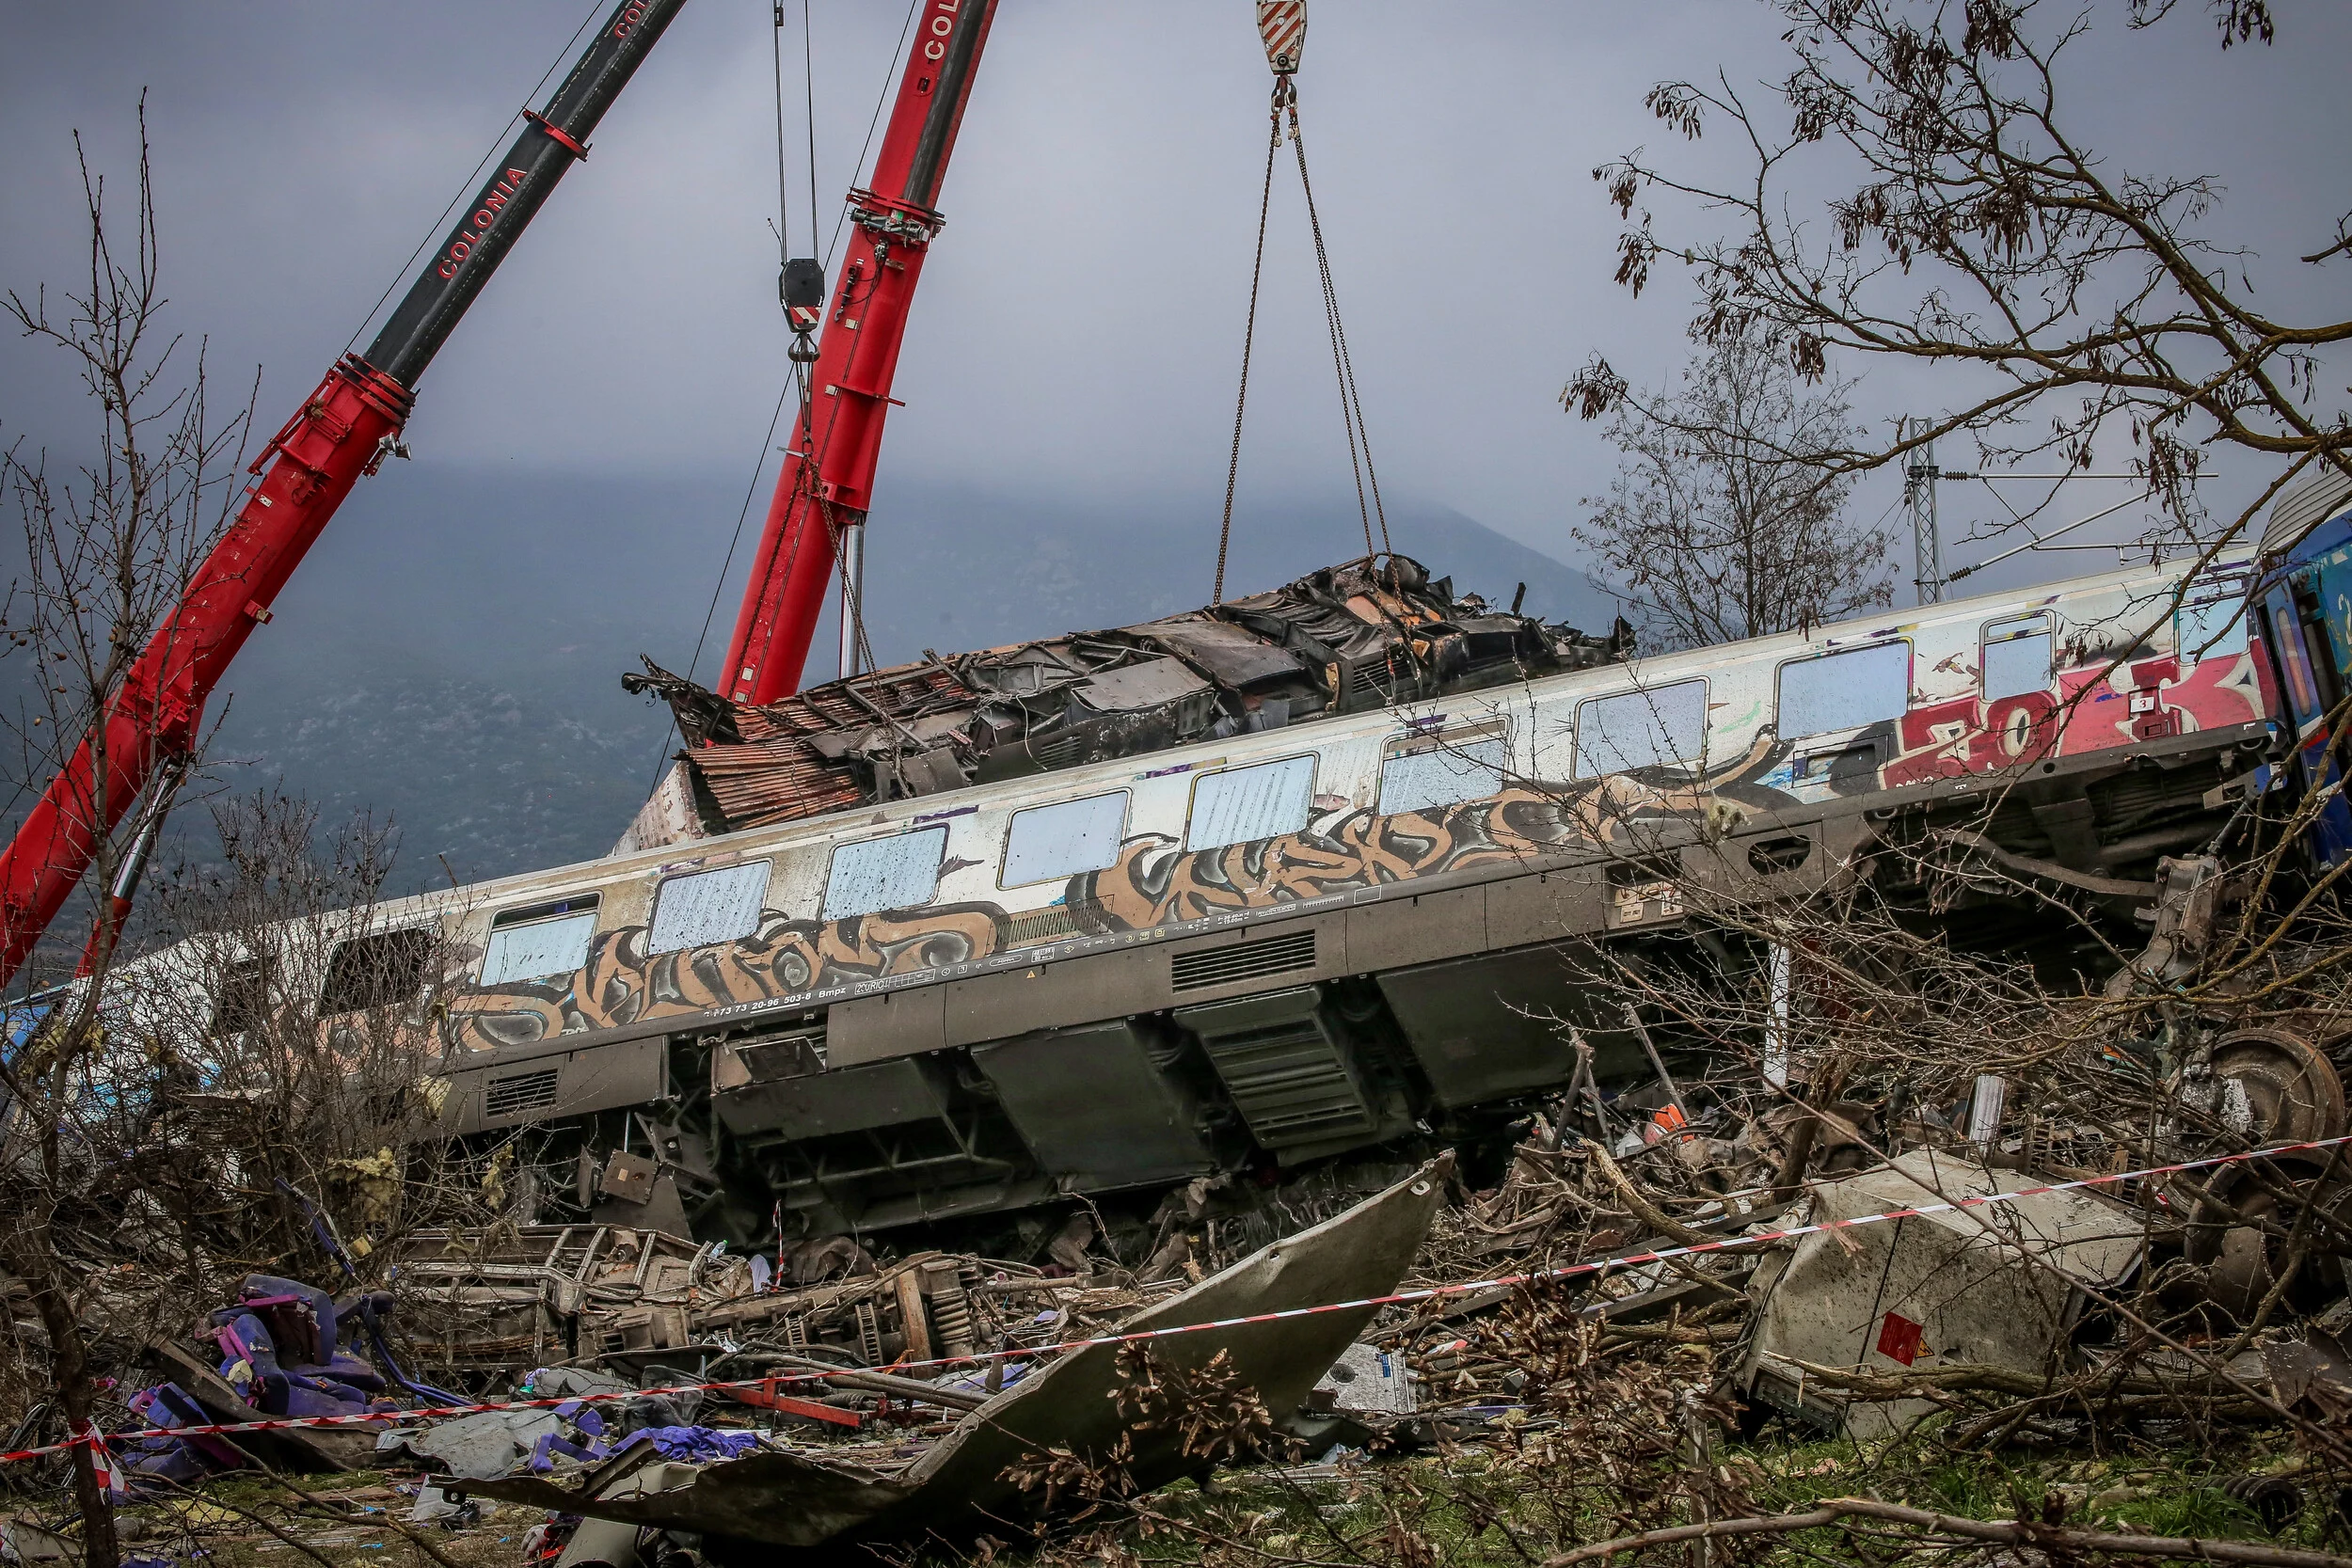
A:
[2302,610]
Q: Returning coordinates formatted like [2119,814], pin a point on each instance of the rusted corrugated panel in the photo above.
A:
[780,781]
[901,692]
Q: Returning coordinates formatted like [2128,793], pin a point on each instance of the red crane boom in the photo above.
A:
[342,431]
[827,481]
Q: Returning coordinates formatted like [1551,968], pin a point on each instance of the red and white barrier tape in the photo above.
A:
[1434,1292]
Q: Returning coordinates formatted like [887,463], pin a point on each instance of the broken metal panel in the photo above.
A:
[1230,655]
[1154,683]
[960,1484]
[1368,1379]
[679,810]
[1996,1286]
[958,1488]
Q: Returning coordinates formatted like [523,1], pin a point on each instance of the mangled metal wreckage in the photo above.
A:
[1306,873]
[1346,640]
[744,1509]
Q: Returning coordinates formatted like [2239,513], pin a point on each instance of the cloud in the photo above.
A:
[1077,335]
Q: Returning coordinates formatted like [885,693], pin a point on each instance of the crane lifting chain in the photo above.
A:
[1282,28]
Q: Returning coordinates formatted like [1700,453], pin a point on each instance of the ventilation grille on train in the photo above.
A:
[1060,751]
[1046,924]
[1246,960]
[1288,1072]
[519,1092]
[2127,801]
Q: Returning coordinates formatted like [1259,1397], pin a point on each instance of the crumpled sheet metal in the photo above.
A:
[1997,1287]
[958,1488]
[2316,1369]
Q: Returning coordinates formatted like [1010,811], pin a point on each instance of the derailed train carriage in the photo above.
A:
[1305,875]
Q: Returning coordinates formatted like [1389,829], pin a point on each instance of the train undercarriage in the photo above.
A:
[1435,1014]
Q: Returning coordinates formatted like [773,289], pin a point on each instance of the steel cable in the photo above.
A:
[1249,333]
[1370,509]
[1351,404]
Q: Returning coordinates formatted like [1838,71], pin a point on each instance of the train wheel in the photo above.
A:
[2293,1094]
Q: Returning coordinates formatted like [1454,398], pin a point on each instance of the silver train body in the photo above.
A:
[1285,946]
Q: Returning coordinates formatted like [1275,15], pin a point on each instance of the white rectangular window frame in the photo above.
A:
[901,872]
[2016,656]
[1241,805]
[1065,838]
[1844,691]
[2209,628]
[537,949]
[1657,727]
[702,909]
[1431,772]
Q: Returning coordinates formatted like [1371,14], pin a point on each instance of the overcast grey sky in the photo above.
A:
[1078,327]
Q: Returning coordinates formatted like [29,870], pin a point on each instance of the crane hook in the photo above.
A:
[1282,24]
[802,288]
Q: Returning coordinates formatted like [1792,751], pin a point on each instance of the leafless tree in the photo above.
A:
[108,550]
[306,1010]
[1723,522]
[266,1067]
[2075,300]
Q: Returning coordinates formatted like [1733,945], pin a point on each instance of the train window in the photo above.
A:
[1063,839]
[705,906]
[1241,805]
[1423,773]
[1664,726]
[383,969]
[240,999]
[2211,628]
[2016,658]
[1845,690]
[895,873]
[540,939]
[2294,656]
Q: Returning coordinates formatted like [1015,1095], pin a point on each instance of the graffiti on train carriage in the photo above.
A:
[1155,881]
[2105,706]
[620,985]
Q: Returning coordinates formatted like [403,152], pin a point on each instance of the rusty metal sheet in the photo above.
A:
[798,1501]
